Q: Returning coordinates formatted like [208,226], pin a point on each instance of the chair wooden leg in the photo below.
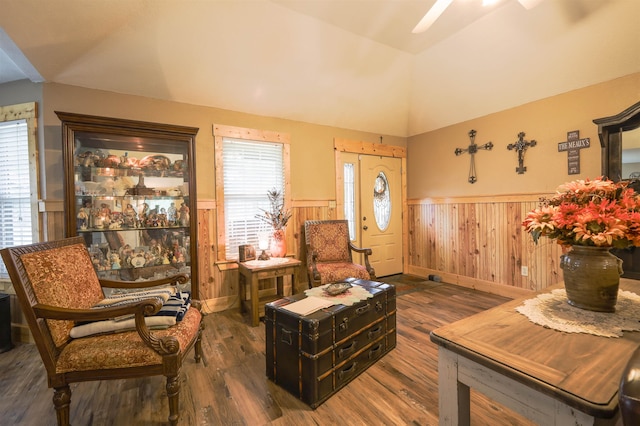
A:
[173,392]
[198,346]
[61,401]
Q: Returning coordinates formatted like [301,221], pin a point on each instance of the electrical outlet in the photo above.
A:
[524,270]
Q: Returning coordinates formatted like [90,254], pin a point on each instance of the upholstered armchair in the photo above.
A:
[58,288]
[329,253]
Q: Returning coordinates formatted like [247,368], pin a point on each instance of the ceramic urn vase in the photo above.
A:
[591,278]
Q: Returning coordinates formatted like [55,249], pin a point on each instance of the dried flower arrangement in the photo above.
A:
[276,217]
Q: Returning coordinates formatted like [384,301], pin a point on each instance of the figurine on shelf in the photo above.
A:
[138,260]
[149,259]
[184,215]
[178,253]
[187,248]
[172,214]
[116,221]
[85,159]
[124,160]
[126,253]
[152,220]
[98,221]
[162,217]
[130,216]
[179,165]
[83,219]
[143,212]
[105,214]
[115,261]
[154,248]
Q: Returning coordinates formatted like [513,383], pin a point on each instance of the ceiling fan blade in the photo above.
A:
[434,13]
[529,4]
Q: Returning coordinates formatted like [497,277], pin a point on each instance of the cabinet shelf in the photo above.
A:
[128,192]
[131,197]
[124,171]
[130,229]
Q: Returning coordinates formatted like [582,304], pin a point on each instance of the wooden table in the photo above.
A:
[252,272]
[550,377]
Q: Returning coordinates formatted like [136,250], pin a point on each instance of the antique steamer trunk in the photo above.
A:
[314,356]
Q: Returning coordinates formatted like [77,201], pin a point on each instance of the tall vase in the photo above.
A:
[278,244]
[591,278]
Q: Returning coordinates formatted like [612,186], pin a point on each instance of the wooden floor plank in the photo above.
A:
[230,386]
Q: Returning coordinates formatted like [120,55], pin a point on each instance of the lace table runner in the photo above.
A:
[551,310]
[353,295]
[270,262]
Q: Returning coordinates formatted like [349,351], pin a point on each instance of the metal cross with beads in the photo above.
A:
[521,146]
[472,149]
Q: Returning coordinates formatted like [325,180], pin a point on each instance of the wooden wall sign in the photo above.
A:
[573,145]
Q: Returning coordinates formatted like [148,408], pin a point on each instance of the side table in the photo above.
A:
[251,272]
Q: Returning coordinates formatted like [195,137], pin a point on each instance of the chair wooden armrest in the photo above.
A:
[174,280]
[366,252]
[141,308]
[145,307]
[312,259]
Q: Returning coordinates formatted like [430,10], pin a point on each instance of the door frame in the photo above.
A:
[341,145]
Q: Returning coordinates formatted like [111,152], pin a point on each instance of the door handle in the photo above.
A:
[365,227]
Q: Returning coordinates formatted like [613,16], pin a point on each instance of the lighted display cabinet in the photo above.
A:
[130,192]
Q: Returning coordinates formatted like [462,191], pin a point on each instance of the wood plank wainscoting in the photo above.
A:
[478,242]
[219,280]
[472,242]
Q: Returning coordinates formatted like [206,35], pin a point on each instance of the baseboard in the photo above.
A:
[219,304]
[20,334]
[473,283]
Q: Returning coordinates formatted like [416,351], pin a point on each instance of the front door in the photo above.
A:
[381,212]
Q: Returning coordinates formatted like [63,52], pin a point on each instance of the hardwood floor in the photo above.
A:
[230,387]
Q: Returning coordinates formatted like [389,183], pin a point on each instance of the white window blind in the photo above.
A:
[251,169]
[15,198]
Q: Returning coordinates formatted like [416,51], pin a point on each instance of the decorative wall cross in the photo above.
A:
[472,149]
[521,146]
[573,145]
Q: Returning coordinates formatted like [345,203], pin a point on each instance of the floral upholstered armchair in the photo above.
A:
[329,253]
[57,288]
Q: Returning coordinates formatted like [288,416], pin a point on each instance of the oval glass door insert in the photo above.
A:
[381,201]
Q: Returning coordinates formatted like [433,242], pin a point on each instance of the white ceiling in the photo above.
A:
[348,63]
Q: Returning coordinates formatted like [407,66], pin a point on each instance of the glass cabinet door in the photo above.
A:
[130,192]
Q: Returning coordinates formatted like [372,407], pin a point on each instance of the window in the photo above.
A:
[18,220]
[382,201]
[350,198]
[247,167]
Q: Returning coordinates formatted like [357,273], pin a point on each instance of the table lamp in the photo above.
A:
[263,244]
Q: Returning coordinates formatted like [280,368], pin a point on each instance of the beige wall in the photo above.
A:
[433,170]
[470,250]
[312,156]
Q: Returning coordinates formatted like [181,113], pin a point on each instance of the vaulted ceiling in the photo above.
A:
[349,63]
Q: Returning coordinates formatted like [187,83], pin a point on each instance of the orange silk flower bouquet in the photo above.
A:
[598,213]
